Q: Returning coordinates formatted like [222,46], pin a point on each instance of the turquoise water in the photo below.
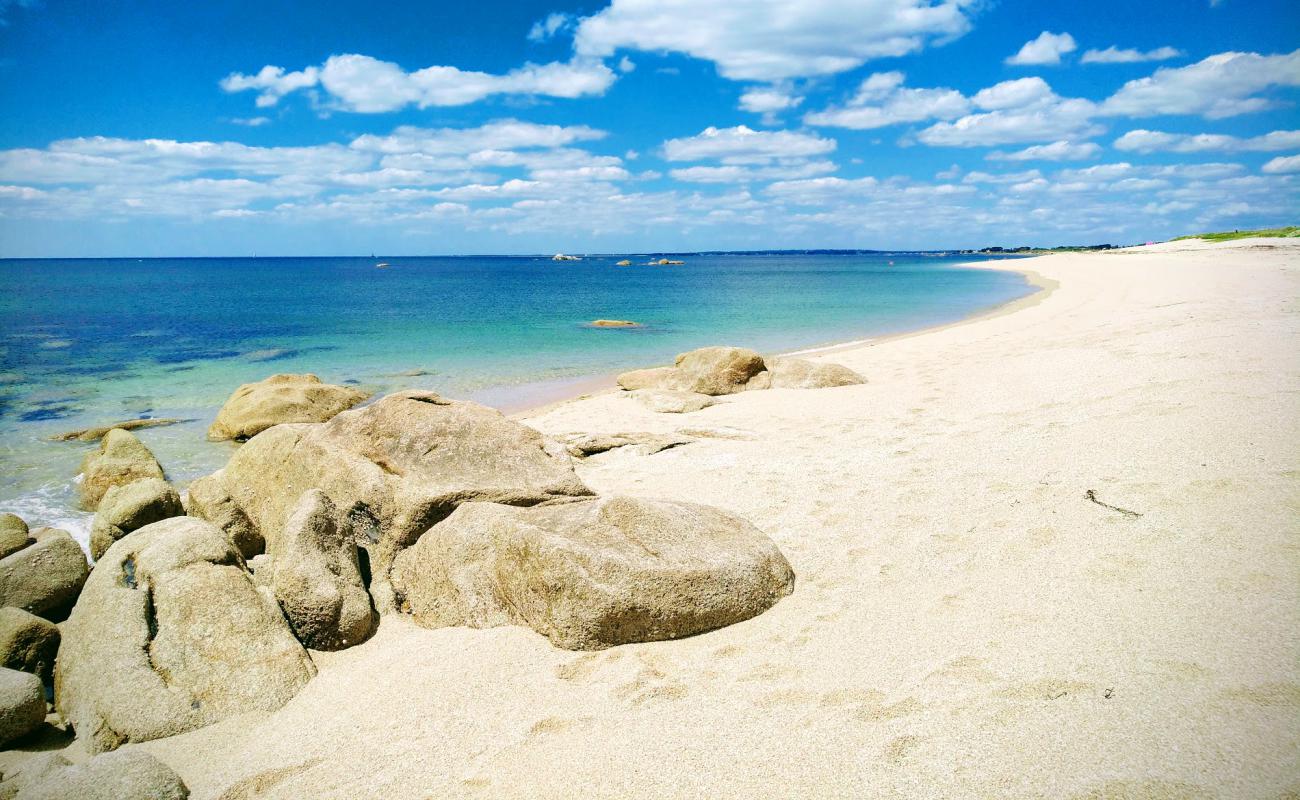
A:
[87,342]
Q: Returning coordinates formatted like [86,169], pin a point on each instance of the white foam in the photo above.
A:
[52,506]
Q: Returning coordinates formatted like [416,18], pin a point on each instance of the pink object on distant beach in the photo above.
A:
[1150,243]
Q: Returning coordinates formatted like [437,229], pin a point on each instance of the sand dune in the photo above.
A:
[965,623]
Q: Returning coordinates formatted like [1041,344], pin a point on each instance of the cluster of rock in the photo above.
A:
[445,511]
[699,375]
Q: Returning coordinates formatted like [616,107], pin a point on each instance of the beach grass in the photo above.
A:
[1226,236]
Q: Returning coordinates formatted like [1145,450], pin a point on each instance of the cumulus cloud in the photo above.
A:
[367,85]
[734,173]
[1222,85]
[882,100]
[742,145]
[773,40]
[1282,165]
[769,99]
[1056,151]
[1116,55]
[1024,110]
[1144,141]
[1046,49]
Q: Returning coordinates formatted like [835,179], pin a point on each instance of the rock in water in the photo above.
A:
[131,506]
[45,577]
[254,407]
[208,499]
[123,775]
[394,468]
[28,643]
[798,373]
[97,433]
[317,579]
[22,704]
[591,574]
[121,459]
[170,634]
[14,535]
[663,401]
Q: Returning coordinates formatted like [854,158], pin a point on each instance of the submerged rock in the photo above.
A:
[590,574]
[798,373]
[95,434]
[134,505]
[280,399]
[122,775]
[45,577]
[170,634]
[394,468]
[664,401]
[28,643]
[317,579]
[120,459]
[208,499]
[615,323]
[22,704]
[14,534]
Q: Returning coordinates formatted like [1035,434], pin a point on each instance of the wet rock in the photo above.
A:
[95,434]
[590,574]
[120,459]
[280,399]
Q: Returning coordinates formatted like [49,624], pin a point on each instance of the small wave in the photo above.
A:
[52,505]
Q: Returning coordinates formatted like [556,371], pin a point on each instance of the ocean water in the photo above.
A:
[89,342]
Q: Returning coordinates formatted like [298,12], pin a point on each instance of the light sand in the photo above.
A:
[965,622]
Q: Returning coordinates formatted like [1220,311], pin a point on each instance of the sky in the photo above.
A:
[135,128]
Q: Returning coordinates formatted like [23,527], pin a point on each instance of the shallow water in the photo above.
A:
[88,342]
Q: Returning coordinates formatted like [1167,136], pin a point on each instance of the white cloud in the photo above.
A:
[506,134]
[547,28]
[741,145]
[367,85]
[626,65]
[1116,55]
[882,100]
[1282,165]
[768,99]
[1144,141]
[1056,151]
[1222,85]
[272,82]
[740,174]
[1024,110]
[773,40]
[1046,49]
[251,122]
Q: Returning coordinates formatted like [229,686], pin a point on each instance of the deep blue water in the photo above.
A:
[92,341]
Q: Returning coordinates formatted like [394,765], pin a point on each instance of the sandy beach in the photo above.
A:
[966,622]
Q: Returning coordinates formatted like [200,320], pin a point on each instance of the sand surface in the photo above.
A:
[965,622]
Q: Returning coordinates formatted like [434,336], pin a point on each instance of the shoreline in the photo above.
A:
[584,388]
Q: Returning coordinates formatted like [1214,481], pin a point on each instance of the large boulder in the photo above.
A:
[591,574]
[208,499]
[120,459]
[123,775]
[45,577]
[22,704]
[128,507]
[799,373]
[28,643]
[170,634]
[708,370]
[317,579]
[395,468]
[254,407]
[14,535]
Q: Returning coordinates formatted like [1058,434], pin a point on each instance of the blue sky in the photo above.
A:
[149,129]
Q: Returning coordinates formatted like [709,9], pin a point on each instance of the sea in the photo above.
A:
[87,342]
